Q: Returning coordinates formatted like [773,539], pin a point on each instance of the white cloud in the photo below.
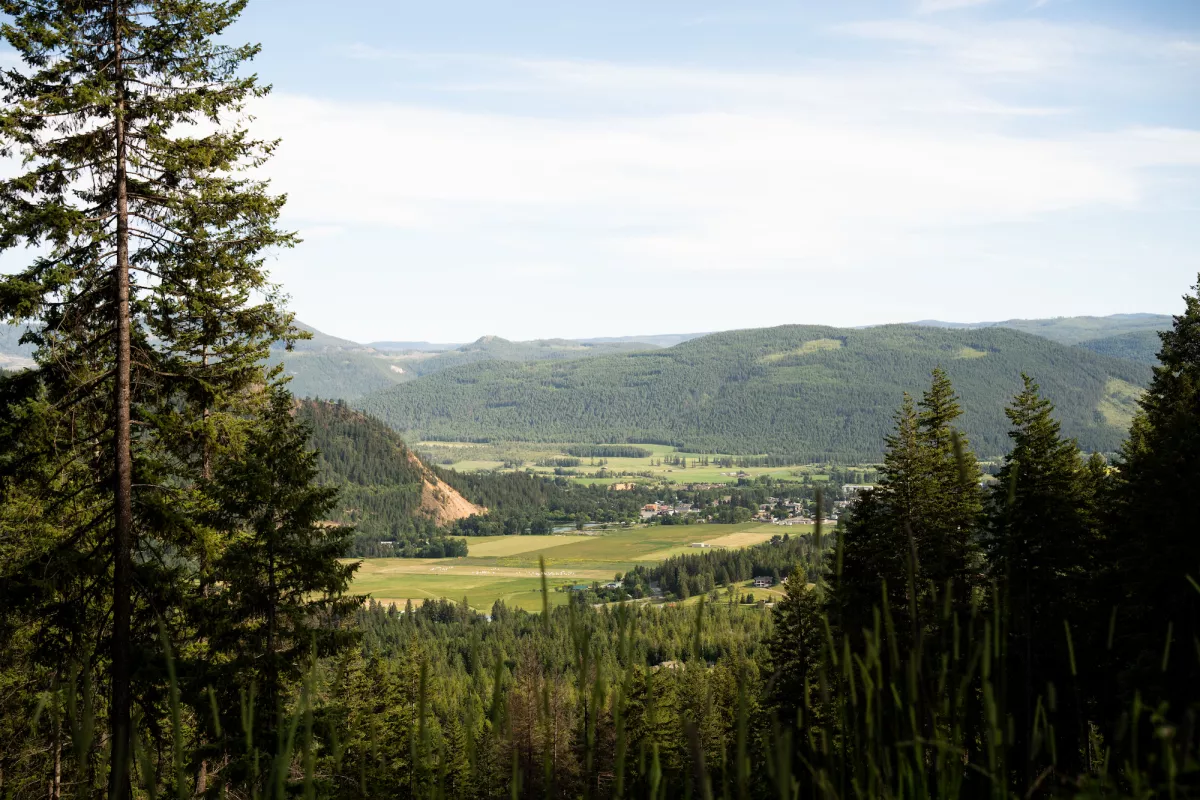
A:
[934,6]
[685,190]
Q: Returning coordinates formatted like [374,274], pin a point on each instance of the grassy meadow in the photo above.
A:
[507,567]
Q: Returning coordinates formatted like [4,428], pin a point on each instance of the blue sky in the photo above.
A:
[536,169]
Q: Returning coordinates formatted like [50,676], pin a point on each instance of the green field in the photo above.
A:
[506,567]
[508,456]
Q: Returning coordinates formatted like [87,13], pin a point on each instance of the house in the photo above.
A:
[580,587]
[698,544]
[763,582]
[613,585]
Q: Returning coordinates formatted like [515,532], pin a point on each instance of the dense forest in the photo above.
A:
[1139,346]
[803,390]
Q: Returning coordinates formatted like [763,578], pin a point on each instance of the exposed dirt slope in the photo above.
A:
[441,501]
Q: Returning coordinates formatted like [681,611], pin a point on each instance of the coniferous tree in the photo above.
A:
[796,647]
[1041,541]
[1157,549]
[147,251]
[912,538]
[282,595]
[946,543]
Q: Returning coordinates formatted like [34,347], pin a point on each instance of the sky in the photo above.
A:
[537,169]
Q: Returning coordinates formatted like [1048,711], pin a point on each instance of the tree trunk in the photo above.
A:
[56,781]
[121,695]
[272,667]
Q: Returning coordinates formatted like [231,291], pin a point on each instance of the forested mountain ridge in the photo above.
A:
[384,489]
[330,367]
[815,390]
[326,366]
[13,354]
[495,348]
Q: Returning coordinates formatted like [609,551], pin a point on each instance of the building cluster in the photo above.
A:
[652,510]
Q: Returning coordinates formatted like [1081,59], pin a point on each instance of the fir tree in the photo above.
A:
[1158,549]
[950,560]
[282,595]
[147,251]
[796,647]
[1041,541]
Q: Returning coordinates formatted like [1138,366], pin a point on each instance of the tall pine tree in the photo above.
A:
[146,251]
[1041,541]
[1157,546]
[946,542]
[282,592]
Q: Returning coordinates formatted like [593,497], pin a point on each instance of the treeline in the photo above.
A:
[799,390]
[693,574]
[607,451]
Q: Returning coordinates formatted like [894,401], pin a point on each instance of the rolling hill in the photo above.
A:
[815,391]
[329,367]
[1071,330]
[494,348]
[1139,346]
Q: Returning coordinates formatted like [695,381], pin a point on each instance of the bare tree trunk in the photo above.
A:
[122,667]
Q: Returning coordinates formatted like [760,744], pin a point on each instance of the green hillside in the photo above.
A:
[1077,330]
[817,391]
[1139,346]
[342,375]
[494,348]
[1071,330]
[329,367]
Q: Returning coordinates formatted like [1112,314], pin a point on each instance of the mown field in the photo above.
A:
[506,567]
[474,457]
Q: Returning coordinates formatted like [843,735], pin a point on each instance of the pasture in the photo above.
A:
[507,567]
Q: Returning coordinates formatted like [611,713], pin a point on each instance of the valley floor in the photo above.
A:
[507,567]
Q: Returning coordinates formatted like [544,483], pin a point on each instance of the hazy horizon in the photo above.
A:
[634,336]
